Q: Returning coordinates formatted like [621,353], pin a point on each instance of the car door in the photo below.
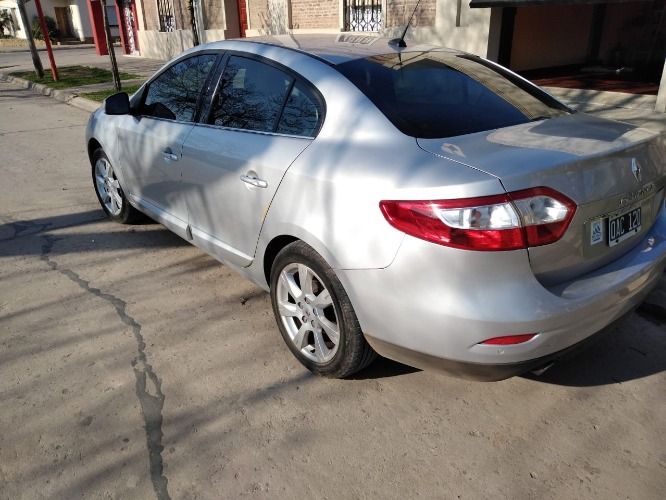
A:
[151,140]
[261,118]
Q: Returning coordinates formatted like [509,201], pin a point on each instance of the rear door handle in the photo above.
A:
[169,156]
[253,181]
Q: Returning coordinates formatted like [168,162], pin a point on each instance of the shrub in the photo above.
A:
[6,24]
[51,27]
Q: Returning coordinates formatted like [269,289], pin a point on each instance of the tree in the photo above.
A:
[193,22]
[109,45]
[6,23]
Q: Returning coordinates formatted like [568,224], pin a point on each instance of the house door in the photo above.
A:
[62,21]
[242,16]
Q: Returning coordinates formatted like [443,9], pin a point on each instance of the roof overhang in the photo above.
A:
[525,3]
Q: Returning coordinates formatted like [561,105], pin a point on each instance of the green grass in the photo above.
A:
[74,76]
[103,94]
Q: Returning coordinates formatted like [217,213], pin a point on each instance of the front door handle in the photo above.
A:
[169,155]
[253,181]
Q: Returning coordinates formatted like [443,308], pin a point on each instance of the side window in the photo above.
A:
[302,114]
[174,94]
[250,95]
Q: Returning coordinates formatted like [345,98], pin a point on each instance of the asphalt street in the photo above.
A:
[15,59]
[134,366]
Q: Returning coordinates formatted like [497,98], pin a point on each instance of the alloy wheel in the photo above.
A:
[308,313]
[108,187]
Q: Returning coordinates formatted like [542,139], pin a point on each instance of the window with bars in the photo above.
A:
[165,14]
[363,15]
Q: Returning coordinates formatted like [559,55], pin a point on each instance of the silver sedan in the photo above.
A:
[417,202]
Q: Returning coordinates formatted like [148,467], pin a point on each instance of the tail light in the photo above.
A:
[516,220]
[509,339]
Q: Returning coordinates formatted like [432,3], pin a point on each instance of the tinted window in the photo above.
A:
[250,95]
[174,94]
[302,113]
[438,94]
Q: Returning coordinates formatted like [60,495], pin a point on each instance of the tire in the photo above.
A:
[314,314]
[109,192]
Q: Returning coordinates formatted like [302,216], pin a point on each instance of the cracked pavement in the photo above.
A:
[134,366]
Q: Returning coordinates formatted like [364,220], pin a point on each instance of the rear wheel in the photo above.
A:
[314,314]
[109,192]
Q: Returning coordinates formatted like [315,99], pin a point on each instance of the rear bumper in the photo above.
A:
[434,306]
[478,371]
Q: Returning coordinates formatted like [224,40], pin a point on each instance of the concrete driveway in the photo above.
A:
[134,366]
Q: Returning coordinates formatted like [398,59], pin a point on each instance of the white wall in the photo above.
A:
[79,14]
[81,20]
[164,45]
[30,10]
[470,36]
[10,8]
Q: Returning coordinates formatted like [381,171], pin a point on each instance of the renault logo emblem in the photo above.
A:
[636,169]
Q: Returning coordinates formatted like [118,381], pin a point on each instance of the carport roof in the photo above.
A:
[525,3]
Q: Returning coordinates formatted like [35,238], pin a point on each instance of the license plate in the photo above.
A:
[623,226]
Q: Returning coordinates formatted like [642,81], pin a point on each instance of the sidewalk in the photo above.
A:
[636,109]
[42,48]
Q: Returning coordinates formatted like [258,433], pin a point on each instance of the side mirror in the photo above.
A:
[117,104]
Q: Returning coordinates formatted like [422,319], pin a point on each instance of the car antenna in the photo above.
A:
[400,42]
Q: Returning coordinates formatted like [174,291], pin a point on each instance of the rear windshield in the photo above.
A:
[440,94]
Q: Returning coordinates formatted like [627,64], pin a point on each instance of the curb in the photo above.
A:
[61,95]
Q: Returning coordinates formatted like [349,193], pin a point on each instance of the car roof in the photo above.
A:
[337,48]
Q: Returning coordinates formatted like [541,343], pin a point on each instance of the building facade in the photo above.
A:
[522,34]
[167,27]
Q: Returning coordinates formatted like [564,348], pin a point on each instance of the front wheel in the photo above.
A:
[314,314]
[109,192]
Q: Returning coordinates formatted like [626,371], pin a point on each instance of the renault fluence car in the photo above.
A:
[417,202]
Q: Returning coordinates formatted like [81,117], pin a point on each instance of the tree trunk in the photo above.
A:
[36,61]
[109,45]
[193,22]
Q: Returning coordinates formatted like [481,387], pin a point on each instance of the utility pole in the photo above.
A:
[109,45]
[36,61]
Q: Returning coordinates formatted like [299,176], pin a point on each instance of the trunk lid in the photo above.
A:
[614,172]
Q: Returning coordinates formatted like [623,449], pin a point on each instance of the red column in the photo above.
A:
[97,23]
[47,39]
